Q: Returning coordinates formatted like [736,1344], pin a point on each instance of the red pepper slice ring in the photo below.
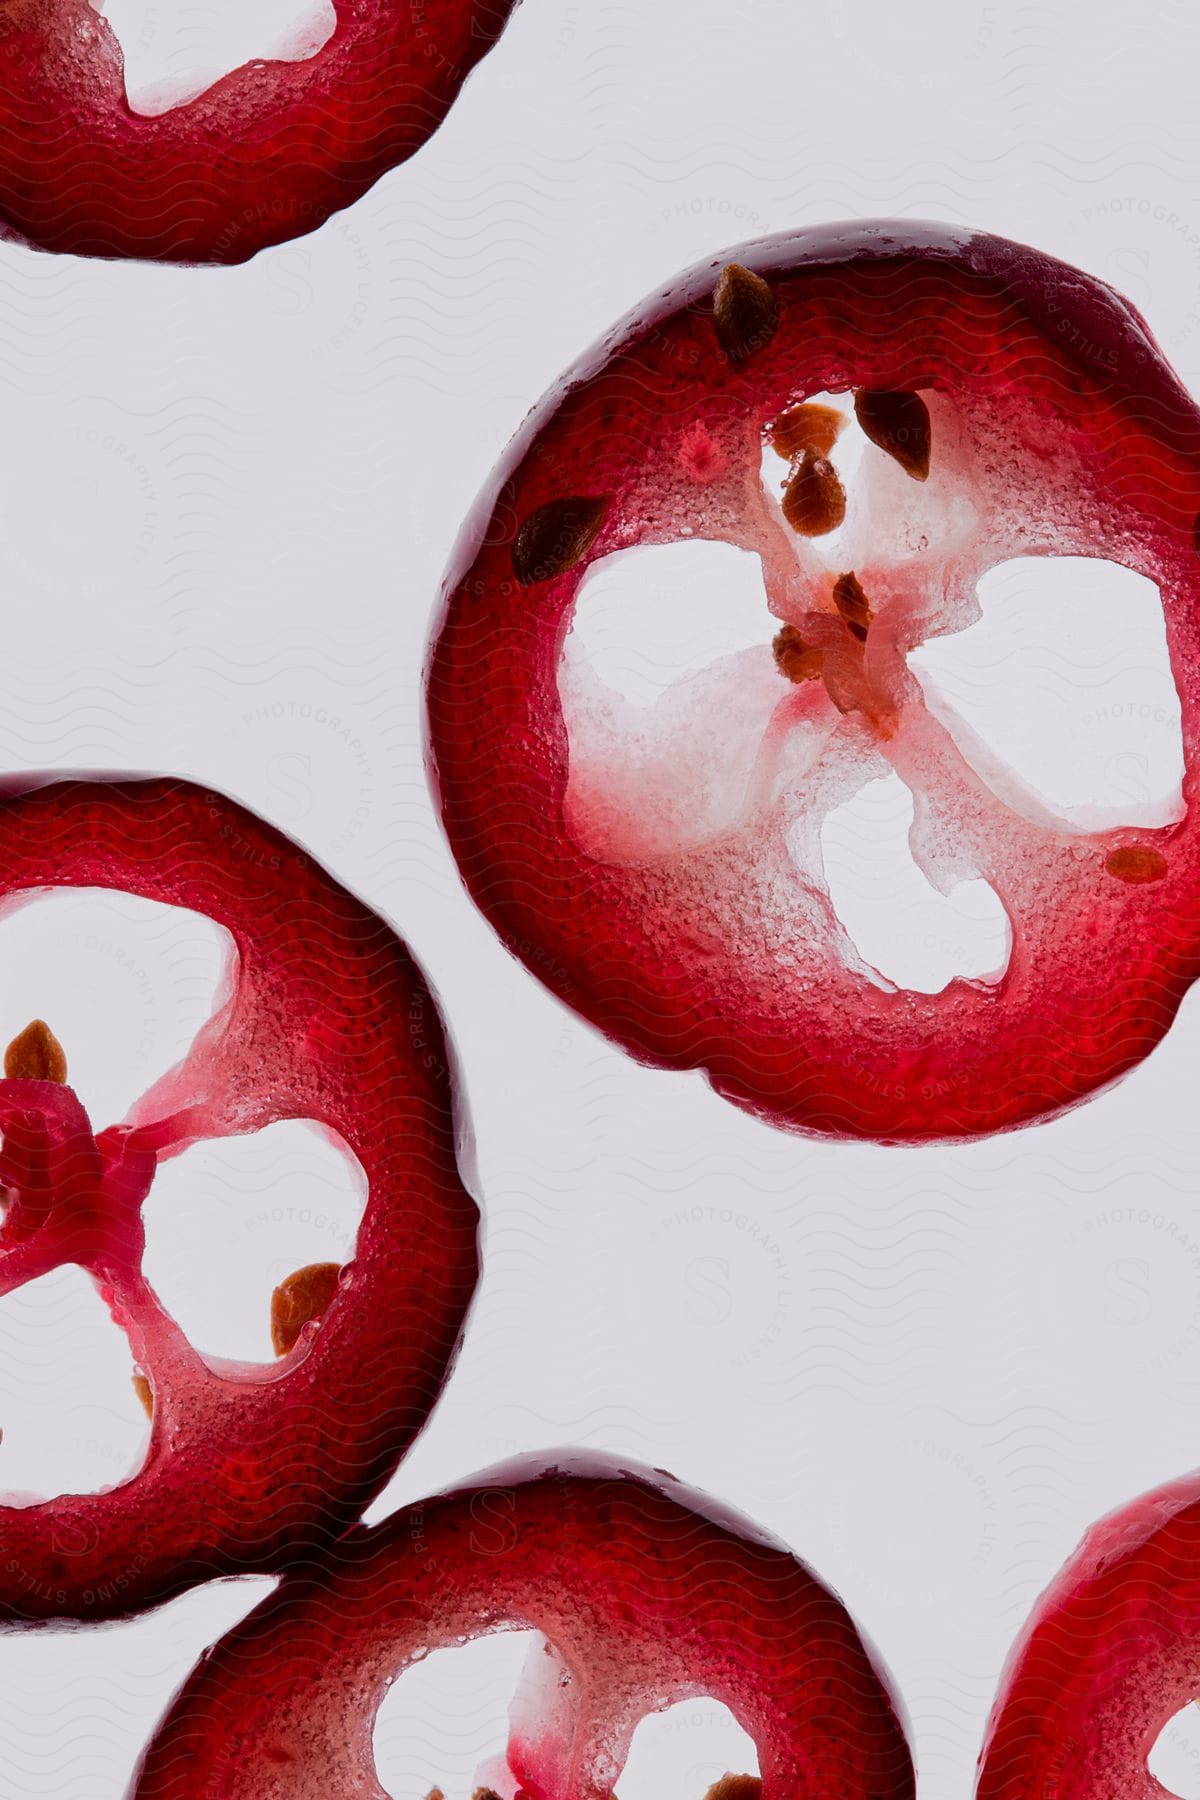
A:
[327,1018]
[1110,1654]
[702,935]
[264,155]
[645,1593]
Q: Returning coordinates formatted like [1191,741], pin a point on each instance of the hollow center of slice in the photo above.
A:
[173,54]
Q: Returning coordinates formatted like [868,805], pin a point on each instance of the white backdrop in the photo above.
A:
[226,501]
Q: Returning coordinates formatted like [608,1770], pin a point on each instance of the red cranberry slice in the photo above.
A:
[1111,1653]
[1017,406]
[264,155]
[644,1592]
[328,1019]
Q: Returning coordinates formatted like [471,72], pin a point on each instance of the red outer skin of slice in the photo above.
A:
[329,1019]
[264,155]
[1096,983]
[648,1592]
[1111,1653]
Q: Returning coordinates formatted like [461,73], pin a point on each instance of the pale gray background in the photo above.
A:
[226,501]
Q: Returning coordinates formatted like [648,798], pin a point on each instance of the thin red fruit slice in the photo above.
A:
[645,1593]
[1111,1653]
[1014,407]
[265,154]
[328,1019]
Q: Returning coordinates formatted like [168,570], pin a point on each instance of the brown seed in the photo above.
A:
[806,427]
[814,500]
[1136,863]
[898,423]
[793,657]
[735,1787]
[303,1296]
[35,1054]
[485,1794]
[555,536]
[745,312]
[853,604]
[145,1394]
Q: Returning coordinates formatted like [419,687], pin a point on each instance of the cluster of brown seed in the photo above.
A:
[745,317]
[814,500]
[556,536]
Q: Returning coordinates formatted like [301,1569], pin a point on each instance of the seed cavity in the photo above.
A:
[145,1394]
[814,500]
[735,1787]
[555,536]
[35,1054]
[793,657]
[1136,863]
[745,312]
[898,422]
[302,1297]
[807,426]
[852,603]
